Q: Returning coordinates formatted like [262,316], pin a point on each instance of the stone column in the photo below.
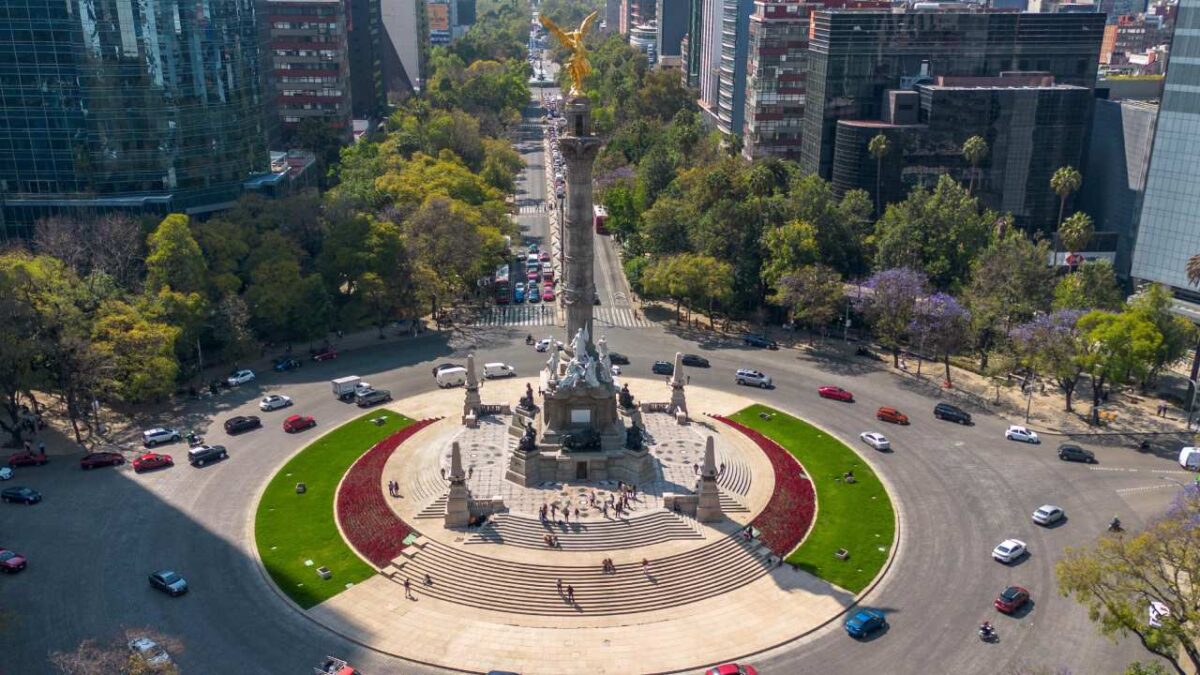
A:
[678,400]
[458,504]
[473,402]
[708,505]
[579,148]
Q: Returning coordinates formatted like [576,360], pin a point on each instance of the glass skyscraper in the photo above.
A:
[144,105]
[1169,229]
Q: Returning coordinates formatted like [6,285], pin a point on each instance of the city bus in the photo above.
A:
[599,218]
[502,285]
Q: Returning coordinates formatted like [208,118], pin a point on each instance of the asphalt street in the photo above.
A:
[959,490]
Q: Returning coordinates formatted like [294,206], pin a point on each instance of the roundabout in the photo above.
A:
[526,588]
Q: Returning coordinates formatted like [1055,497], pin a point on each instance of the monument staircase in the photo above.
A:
[644,529]
[432,490]
[486,583]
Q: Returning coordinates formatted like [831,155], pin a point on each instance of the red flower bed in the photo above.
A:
[362,510]
[790,511]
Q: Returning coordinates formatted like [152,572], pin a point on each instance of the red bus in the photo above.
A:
[502,285]
[599,217]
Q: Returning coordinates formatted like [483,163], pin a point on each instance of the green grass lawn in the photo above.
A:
[290,528]
[857,517]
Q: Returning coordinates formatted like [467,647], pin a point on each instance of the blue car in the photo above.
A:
[519,293]
[864,622]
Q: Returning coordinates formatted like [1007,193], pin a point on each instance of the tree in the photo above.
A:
[318,135]
[1115,349]
[688,279]
[940,325]
[1049,345]
[141,353]
[664,226]
[1118,577]
[788,247]
[1193,270]
[938,232]
[1010,281]
[111,243]
[174,258]
[94,657]
[842,227]
[1076,231]
[879,148]
[890,306]
[974,150]
[1092,286]
[1154,304]
[1065,181]
[813,294]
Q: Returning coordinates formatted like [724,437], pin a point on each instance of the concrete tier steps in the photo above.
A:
[504,586]
[436,508]
[730,504]
[605,535]
[429,485]
[736,477]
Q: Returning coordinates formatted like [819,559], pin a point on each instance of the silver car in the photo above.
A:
[1048,514]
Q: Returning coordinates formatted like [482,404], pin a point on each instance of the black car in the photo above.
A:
[663,368]
[618,359]
[204,454]
[752,340]
[236,425]
[1074,453]
[950,413]
[695,360]
[169,582]
[286,363]
[443,366]
[21,495]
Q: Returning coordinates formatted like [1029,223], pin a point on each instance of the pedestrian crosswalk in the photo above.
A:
[533,208]
[546,314]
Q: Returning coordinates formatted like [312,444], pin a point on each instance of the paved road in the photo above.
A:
[961,490]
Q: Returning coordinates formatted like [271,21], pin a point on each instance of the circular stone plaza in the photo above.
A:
[475,570]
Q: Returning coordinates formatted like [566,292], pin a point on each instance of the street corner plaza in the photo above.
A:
[501,542]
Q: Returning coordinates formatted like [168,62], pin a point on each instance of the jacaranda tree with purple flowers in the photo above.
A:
[939,325]
[1048,346]
[891,303]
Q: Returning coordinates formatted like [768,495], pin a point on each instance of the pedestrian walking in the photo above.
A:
[560,589]
[428,579]
[570,594]
[41,447]
[645,566]
[408,589]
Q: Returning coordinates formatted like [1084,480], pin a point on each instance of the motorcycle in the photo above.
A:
[987,634]
[1115,525]
[528,339]
[194,439]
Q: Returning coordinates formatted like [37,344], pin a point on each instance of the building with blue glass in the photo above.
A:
[147,106]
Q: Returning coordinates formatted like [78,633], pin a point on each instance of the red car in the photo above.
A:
[1011,599]
[96,459]
[11,561]
[836,393]
[886,414]
[152,460]
[298,423]
[27,458]
[731,669]
[324,354]
[548,292]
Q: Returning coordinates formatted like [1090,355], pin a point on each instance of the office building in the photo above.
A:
[692,41]
[1032,126]
[644,39]
[132,113]
[1114,178]
[855,56]
[731,77]
[612,16]
[670,25]
[310,59]
[1168,231]
[404,47]
[710,56]
[368,96]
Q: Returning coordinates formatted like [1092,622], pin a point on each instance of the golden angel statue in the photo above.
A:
[577,63]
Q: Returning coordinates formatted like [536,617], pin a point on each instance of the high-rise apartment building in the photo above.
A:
[693,39]
[310,59]
[710,55]
[1169,229]
[731,75]
[854,56]
[151,106]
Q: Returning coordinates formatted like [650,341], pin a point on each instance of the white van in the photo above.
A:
[451,377]
[1189,458]
[493,370]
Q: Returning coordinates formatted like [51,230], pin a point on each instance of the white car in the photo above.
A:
[1048,514]
[875,440]
[1009,550]
[5,472]
[1019,433]
[274,402]
[152,437]
[616,370]
[150,652]
[752,378]
[240,377]
[543,345]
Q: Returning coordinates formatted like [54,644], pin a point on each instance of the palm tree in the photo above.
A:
[974,150]
[879,148]
[1064,182]
[1193,270]
[1075,231]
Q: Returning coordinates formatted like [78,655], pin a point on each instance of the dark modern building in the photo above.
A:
[152,106]
[1114,178]
[1169,228]
[693,40]
[368,96]
[671,24]
[1032,127]
[855,56]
